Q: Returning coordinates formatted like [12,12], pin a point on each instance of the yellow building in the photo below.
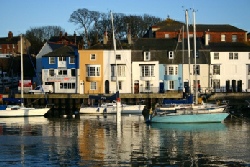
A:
[91,71]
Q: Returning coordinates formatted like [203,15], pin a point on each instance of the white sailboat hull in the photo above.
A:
[111,109]
[23,112]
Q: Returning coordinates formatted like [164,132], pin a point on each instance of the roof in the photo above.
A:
[199,27]
[7,40]
[229,46]
[63,51]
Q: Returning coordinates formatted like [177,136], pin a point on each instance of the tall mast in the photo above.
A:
[196,83]
[189,83]
[21,40]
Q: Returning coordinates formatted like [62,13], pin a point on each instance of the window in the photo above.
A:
[216,69]
[196,70]
[170,54]
[118,57]
[62,58]
[13,46]
[216,83]
[92,57]
[73,72]
[170,70]
[93,71]
[236,56]
[216,56]
[147,71]
[120,85]
[72,60]
[51,72]
[166,35]
[248,55]
[146,56]
[121,70]
[147,85]
[223,37]
[208,37]
[230,56]
[51,60]
[93,85]
[248,69]
[248,86]
[62,72]
[176,70]
[171,85]
[66,85]
[234,38]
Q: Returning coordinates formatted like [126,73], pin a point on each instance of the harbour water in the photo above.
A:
[99,141]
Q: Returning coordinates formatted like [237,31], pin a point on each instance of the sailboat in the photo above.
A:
[115,105]
[21,110]
[191,113]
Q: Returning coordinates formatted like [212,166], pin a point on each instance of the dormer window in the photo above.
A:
[171,54]
[147,56]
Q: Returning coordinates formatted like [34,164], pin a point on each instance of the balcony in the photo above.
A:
[119,78]
[93,78]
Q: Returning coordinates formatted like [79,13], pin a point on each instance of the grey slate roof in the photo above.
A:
[6,40]
[63,51]
[229,46]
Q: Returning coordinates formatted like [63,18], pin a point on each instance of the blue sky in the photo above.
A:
[18,16]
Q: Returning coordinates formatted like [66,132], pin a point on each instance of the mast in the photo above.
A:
[196,83]
[21,40]
[189,83]
[118,102]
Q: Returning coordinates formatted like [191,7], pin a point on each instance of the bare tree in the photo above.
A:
[38,35]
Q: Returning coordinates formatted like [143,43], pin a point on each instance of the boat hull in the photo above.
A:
[111,109]
[24,112]
[189,118]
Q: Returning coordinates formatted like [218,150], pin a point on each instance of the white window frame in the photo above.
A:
[196,70]
[234,38]
[236,56]
[216,55]
[223,37]
[92,56]
[147,56]
[93,70]
[231,56]
[93,85]
[147,70]
[167,36]
[52,60]
[147,85]
[171,54]
[72,60]
[171,85]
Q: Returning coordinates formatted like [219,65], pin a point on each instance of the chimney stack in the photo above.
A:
[10,35]
[105,37]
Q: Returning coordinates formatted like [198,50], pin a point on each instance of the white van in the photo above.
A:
[41,89]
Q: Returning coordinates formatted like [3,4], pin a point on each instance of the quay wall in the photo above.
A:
[73,102]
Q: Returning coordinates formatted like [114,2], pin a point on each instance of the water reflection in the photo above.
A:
[99,141]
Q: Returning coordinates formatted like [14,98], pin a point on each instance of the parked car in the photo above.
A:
[41,89]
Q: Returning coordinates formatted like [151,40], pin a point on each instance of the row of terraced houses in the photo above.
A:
[157,63]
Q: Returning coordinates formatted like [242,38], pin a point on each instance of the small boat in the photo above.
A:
[110,108]
[17,110]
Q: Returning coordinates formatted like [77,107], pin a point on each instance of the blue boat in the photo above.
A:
[188,118]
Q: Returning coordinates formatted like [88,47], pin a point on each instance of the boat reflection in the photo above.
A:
[189,127]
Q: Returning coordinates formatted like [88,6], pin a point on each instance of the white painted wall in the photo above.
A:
[232,69]
[108,59]
[136,75]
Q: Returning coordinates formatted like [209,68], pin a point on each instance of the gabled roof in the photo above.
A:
[154,44]
[63,51]
[7,40]
[199,27]
[229,47]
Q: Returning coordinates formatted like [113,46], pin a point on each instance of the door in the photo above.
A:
[136,88]
[106,87]
[81,87]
